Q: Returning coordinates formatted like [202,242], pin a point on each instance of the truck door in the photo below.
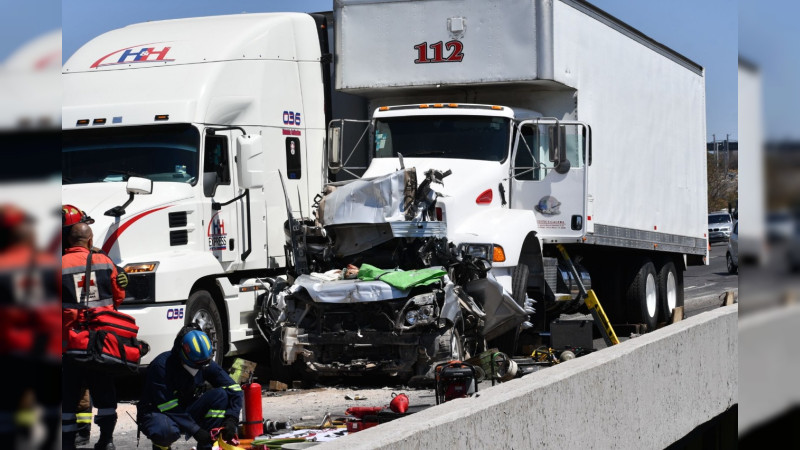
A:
[221,225]
[543,182]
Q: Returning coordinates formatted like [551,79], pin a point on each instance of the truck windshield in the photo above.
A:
[160,153]
[465,137]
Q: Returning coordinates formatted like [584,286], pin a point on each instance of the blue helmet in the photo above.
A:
[195,349]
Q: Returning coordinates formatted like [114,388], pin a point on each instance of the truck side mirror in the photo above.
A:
[250,161]
[334,149]
[552,141]
[139,186]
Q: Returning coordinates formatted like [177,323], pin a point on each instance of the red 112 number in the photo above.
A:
[454,47]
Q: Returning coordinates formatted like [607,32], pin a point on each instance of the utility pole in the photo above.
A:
[714,147]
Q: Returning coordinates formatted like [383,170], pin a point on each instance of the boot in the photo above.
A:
[106,424]
[83,436]
[68,440]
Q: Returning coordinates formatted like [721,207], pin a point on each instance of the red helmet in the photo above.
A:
[70,215]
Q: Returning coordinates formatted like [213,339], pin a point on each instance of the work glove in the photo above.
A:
[122,280]
[229,428]
[203,438]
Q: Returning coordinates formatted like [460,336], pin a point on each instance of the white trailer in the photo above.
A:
[200,114]
[561,125]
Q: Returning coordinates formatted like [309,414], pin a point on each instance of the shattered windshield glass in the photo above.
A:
[158,152]
[464,137]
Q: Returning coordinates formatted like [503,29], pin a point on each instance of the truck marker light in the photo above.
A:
[497,108]
[438,105]
[498,255]
[161,117]
[439,214]
[423,106]
[655,227]
[485,198]
[588,217]
[383,108]
[82,122]
[453,105]
[99,122]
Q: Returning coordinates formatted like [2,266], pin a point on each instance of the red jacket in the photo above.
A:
[103,289]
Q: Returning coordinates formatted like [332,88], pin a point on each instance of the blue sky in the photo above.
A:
[703,30]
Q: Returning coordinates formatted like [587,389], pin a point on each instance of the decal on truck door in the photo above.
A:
[139,53]
[217,238]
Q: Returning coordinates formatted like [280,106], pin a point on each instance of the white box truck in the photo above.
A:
[561,125]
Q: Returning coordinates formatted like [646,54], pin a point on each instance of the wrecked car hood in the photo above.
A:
[348,291]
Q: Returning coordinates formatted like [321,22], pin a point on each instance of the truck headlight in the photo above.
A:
[482,251]
[140,267]
[489,252]
[411,317]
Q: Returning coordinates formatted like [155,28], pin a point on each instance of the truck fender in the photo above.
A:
[240,312]
[508,228]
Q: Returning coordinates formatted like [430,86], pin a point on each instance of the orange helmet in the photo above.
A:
[70,215]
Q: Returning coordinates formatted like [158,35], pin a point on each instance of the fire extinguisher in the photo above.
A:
[253,417]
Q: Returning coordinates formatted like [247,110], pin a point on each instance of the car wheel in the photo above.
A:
[670,289]
[642,296]
[449,346]
[202,310]
[732,268]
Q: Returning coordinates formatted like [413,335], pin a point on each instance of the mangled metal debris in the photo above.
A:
[377,288]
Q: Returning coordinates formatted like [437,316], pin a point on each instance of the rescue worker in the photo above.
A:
[70,215]
[102,290]
[174,400]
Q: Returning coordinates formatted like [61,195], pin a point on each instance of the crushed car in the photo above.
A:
[376,288]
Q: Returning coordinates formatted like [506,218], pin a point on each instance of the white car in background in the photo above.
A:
[719,226]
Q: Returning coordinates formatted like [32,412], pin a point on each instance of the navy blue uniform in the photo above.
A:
[175,402]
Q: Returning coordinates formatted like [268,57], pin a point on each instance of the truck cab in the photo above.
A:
[174,133]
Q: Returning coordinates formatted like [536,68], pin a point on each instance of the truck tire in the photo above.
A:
[202,310]
[642,296]
[670,289]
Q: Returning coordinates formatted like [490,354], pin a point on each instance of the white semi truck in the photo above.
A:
[560,124]
[173,135]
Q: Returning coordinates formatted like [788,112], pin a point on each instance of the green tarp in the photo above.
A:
[401,279]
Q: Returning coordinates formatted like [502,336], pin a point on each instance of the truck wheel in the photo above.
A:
[642,296]
[202,310]
[670,289]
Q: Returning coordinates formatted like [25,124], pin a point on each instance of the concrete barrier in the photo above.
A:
[770,367]
[647,392]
